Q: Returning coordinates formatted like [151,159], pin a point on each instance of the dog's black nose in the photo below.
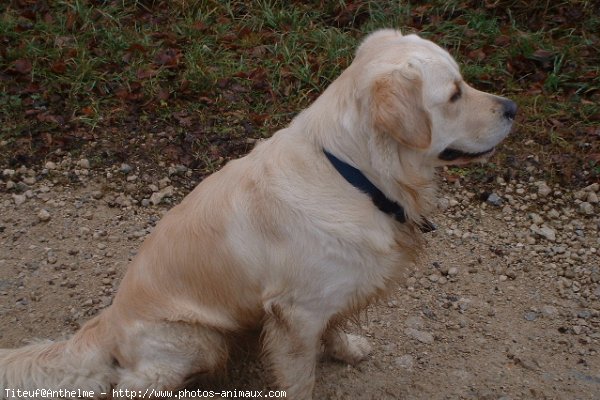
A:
[510,109]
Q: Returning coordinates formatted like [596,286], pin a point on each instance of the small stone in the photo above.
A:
[594,187]
[406,361]
[586,208]
[547,233]
[443,204]
[97,194]
[177,170]
[579,195]
[543,189]
[44,215]
[126,168]
[549,311]
[30,180]
[553,214]
[157,197]
[536,219]
[452,271]
[421,336]
[50,165]
[414,322]
[494,200]
[592,198]
[19,199]
[530,315]
[584,314]
[83,163]
[164,182]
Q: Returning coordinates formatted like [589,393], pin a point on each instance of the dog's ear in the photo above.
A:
[397,109]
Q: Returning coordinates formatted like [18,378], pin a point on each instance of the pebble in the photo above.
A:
[549,311]
[545,232]
[584,314]
[530,315]
[592,198]
[421,336]
[586,208]
[553,214]
[414,322]
[19,199]
[406,361]
[84,163]
[44,215]
[50,165]
[543,189]
[126,168]
[157,197]
[494,200]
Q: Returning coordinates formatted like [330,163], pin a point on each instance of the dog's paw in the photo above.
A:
[348,348]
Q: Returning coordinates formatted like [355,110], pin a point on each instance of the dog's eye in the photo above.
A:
[456,95]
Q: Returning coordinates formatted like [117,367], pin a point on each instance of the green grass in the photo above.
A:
[213,73]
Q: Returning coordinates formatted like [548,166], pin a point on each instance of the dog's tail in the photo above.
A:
[42,370]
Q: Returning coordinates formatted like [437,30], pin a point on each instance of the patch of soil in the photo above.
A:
[498,309]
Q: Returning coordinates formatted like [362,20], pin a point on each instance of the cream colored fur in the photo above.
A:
[278,240]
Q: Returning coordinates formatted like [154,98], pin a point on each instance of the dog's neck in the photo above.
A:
[398,173]
[357,179]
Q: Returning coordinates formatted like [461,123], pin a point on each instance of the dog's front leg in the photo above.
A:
[345,347]
[291,343]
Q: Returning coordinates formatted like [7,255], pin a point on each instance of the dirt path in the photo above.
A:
[506,304]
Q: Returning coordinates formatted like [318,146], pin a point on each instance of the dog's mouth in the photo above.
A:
[451,154]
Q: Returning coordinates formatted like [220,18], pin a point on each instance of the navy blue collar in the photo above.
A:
[381,201]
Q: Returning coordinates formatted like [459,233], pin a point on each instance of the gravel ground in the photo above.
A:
[505,304]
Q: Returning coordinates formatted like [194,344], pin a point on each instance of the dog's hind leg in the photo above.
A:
[163,356]
[291,342]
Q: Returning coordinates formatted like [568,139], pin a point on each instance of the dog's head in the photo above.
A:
[416,95]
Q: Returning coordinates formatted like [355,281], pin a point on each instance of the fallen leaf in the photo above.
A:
[163,93]
[542,55]
[58,67]
[87,111]
[144,73]
[168,58]
[22,66]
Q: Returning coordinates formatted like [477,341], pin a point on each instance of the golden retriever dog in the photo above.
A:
[310,227]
